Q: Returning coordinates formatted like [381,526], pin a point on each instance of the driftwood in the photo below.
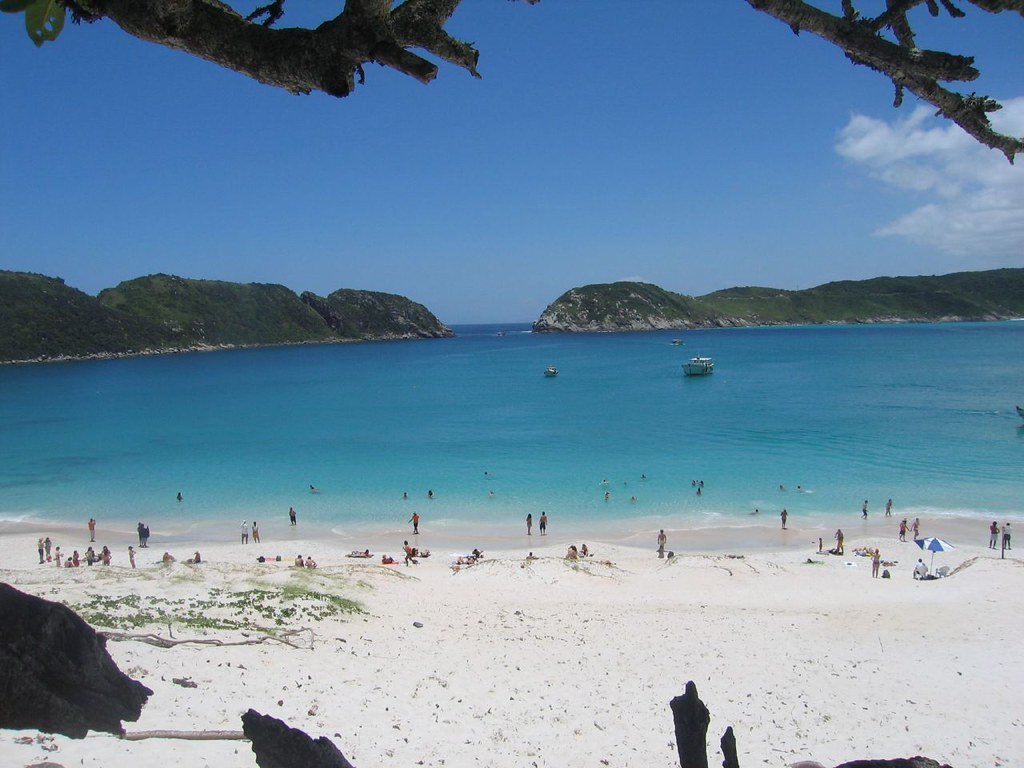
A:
[729,749]
[691,718]
[187,735]
[166,642]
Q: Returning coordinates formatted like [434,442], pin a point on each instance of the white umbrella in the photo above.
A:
[934,544]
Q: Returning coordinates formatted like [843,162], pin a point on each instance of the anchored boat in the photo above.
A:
[699,366]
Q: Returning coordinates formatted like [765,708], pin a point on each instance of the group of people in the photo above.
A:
[994,532]
[543,523]
[864,509]
[576,554]
[915,528]
[255,532]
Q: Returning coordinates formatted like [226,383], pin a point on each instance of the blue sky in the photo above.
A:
[696,146]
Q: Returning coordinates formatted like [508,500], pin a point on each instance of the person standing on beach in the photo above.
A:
[864,510]
[916,527]
[888,508]
[92,529]
[139,529]
[131,556]
[57,556]
[41,550]
[529,523]
[291,513]
[1006,536]
[415,520]
[145,536]
[255,532]
[876,563]
[903,529]
[543,523]
[993,535]
[785,516]
[46,545]
[839,541]
[662,541]
[408,552]
[245,532]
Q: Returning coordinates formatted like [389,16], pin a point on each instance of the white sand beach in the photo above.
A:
[554,663]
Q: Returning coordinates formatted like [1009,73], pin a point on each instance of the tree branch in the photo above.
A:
[911,68]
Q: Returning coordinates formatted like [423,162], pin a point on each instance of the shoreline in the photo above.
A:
[754,535]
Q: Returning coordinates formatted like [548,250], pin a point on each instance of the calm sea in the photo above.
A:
[923,414]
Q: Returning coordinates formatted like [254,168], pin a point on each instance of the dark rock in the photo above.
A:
[55,673]
[278,746]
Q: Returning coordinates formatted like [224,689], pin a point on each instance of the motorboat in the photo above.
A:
[677,342]
[551,371]
[699,366]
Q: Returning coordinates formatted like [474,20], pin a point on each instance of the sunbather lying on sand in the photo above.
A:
[357,553]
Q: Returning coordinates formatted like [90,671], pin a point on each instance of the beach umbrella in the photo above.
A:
[934,544]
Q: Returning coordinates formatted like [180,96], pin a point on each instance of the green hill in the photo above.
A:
[192,312]
[992,295]
[42,318]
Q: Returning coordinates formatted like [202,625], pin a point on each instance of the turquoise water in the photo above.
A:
[920,413]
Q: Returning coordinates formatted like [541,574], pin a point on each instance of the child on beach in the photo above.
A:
[131,556]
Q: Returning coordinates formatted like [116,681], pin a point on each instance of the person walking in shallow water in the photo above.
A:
[255,533]
[415,520]
[529,523]
[785,516]
[864,510]
[543,523]
[291,513]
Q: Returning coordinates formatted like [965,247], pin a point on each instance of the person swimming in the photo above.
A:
[313,488]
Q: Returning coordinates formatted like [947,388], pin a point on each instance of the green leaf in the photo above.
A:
[44,20]
[15,6]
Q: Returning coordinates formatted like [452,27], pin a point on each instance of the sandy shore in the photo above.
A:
[552,663]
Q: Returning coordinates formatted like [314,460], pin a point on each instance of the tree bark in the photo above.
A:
[691,719]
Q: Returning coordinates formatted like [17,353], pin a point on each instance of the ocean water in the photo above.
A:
[923,414]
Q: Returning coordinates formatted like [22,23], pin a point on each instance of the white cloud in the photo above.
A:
[971,201]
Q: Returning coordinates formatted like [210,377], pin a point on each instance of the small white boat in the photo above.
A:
[1020,412]
[699,366]
[550,371]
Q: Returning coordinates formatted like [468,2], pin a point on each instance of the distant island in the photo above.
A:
[41,318]
[996,294]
